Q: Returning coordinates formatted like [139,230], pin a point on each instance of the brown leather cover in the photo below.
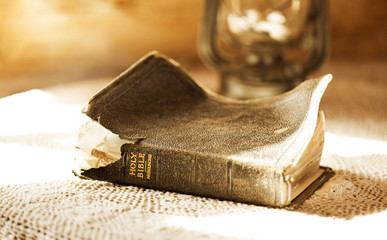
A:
[200,142]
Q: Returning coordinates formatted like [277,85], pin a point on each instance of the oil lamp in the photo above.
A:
[263,47]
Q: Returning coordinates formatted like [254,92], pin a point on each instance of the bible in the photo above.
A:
[155,127]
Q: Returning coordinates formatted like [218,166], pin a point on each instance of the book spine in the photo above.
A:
[184,172]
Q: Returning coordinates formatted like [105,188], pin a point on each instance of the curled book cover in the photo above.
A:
[155,127]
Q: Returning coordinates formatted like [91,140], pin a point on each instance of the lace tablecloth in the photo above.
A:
[41,199]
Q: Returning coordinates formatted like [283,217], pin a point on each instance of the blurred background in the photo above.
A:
[47,42]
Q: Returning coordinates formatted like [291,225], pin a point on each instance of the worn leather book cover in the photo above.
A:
[155,127]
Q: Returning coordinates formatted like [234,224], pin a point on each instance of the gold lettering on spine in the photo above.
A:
[140,166]
[148,173]
[132,166]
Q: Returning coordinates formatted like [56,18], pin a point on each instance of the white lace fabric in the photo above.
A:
[41,199]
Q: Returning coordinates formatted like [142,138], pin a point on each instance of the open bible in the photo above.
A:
[155,127]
